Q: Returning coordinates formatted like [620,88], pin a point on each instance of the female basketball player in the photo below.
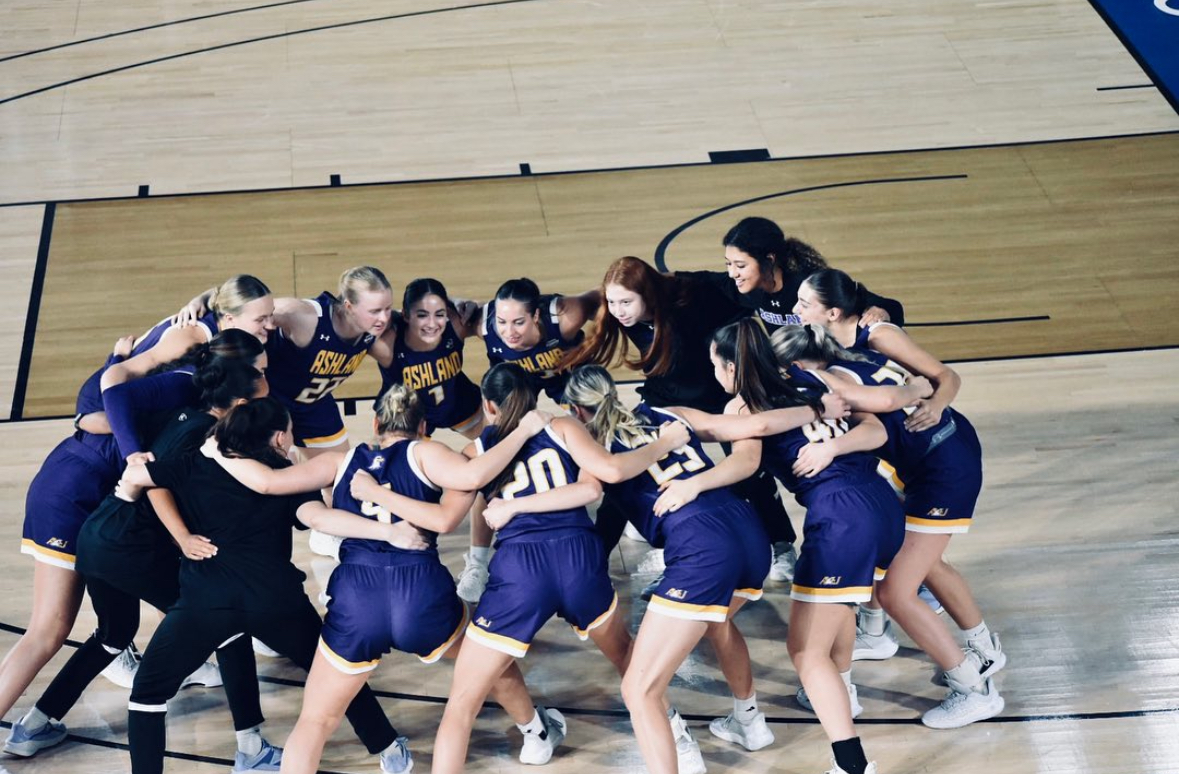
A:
[939,500]
[126,553]
[426,346]
[854,525]
[715,547]
[547,561]
[250,584]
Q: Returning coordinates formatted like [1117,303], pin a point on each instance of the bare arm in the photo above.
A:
[194,547]
[897,345]
[878,399]
[573,312]
[176,342]
[297,318]
[737,427]
[317,473]
[441,517]
[613,468]
[381,349]
[451,470]
[95,423]
[584,491]
[318,516]
[867,434]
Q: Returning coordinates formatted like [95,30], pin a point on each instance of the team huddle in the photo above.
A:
[178,489]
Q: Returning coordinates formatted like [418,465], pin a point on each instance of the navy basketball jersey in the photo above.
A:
[540,361]
[636,497]
[904,450]
[304,375]
[775,309]
[90,395]
[395,468]
[779,452]
[437,376]
[543,464]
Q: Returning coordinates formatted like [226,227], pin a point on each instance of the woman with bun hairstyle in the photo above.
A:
[941,490]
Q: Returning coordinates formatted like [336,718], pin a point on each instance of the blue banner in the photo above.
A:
[1149,29]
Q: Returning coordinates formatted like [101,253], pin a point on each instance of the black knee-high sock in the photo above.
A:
[147,736]
[239,672]
[849,756]
[85,665]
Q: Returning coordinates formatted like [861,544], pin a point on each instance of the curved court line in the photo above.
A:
[623,713]
[661,249]
[132,31]
[264,38]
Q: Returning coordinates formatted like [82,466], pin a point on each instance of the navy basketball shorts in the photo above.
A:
[409,606]
[70,485]
[712,554]
[317,425]
[853,529]
[940,497]
[532,580]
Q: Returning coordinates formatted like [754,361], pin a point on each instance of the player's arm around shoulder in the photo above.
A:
[297,318]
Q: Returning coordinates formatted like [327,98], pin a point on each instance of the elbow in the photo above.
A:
[612,474]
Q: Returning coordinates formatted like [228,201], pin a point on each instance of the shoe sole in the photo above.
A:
[29,749]
[983,713]
[875,654]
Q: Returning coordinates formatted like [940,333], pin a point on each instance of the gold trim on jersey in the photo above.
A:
[937,526]
[440,651]
[751,594]
[47,555]
[583,634]
[327,441]
[687,611]
[344,665]
[497,641]
[831,596]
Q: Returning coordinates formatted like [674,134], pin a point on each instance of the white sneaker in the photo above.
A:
[836,770]
[804,701]
[785,557]
[207,674]
[689,760]
[875,647]
[122,670]
[397,759]
[472,581]
[262,649]
[538,748]
[325,544]
[651,564]
[26,743]
[753,735]
[961,709]
[632,532]
[986,655]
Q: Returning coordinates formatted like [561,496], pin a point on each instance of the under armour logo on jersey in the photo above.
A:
[183,417]
[377,463]
[497,349]
[401,356]
[481,621]
[677,593]
[324,337]
[775,302]
[831,580]
[449,344]
[938,512]
[552,342]
[56,543]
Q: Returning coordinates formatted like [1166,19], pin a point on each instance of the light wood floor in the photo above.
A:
[1074,553]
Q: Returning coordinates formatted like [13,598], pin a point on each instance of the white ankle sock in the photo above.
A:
[872,620]
[534,726]
[846,678]
[480,554]
[249,741]
[34,720]
[980,632]
[745,710]
[966,675]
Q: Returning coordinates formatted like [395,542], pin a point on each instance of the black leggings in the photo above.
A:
[116,603]
[183,641]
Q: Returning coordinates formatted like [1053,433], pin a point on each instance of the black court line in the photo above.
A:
[661,250]
[1122,88]
[264,38]
[134,30]
[599,170]
[26,350]
[623,713]
[993,359]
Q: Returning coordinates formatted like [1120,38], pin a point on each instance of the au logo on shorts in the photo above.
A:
[481,621]
[831,580]
[939,513]
[677,593]
[56,543]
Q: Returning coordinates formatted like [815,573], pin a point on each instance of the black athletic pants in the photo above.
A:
[185,638]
